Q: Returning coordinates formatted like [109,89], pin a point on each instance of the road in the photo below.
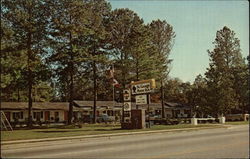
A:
[232,142]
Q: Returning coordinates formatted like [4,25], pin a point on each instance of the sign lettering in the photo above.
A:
[141,88]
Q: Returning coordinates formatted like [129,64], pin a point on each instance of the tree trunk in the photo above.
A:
[18,94]
[94,91]
[137,68]
[162,100]
[71,96]
[30,80]
[71,92]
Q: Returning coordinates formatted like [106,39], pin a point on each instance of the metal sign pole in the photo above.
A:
[148,102]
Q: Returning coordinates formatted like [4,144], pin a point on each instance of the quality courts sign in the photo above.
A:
[142,87]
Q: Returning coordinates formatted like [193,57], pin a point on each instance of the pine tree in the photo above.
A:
[79,41]
[163,40]
[67,25]
[143,64]
[125,27]
[97,42]
[27,19]
[224,59]
[197,96]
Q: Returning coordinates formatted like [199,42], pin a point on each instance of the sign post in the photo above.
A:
[142,90]
[148,102]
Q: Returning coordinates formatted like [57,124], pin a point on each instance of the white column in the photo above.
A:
[222,120]
[194,121]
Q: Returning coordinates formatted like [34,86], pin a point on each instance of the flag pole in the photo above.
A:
[113,85]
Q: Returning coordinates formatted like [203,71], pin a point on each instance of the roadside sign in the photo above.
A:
[127,106]
[141,99]
[151,81]
[142,88]
[126,95]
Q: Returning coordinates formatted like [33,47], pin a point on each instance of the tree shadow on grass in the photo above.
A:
[59,131]
[51,131]
[108,129]
[75,130]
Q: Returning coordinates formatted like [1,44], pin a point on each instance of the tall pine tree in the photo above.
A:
[28,21]
[225,58]
[163,39]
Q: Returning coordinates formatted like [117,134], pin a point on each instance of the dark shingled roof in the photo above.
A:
[171,105]
[98,103]
[36,106]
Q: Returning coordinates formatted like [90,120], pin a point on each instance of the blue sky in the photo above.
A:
[195,24]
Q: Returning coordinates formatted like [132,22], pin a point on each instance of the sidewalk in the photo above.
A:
[104,135]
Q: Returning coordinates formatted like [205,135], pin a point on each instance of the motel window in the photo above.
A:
[17,115]
[178,111]
[37,115]
[186,111]
[57,114]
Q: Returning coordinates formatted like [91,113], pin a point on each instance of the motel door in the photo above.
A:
[47,115]
[66,115]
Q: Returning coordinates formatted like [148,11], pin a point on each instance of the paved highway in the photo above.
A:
[232,142]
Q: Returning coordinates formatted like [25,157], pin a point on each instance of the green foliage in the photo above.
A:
[177,91]
[142,60]
[23,29]
[224,73]
[77,41]
[162,39]
[125,27]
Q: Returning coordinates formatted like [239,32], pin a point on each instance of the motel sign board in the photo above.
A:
[142,87]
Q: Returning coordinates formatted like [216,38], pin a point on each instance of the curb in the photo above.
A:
[103,135]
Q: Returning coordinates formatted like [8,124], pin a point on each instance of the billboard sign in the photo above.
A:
[142,88]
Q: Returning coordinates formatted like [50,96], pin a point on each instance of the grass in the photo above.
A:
[237,122]
[88,129]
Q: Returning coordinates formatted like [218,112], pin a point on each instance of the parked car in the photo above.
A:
[104,118]
[153,117]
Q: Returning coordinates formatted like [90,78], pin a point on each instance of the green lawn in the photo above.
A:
[88,129]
